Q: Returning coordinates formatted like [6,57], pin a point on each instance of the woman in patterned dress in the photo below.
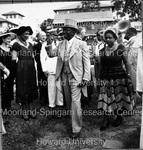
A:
[26,86]
[115,86]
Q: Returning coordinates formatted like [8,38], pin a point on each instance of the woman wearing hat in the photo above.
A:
[7,65]
[26,86]
[115,88]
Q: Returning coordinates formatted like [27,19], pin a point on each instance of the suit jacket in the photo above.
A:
[79,61]
[37,50]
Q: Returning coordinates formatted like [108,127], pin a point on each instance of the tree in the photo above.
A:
[88,6]
[131,7]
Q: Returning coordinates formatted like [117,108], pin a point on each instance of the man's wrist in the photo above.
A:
[85,79]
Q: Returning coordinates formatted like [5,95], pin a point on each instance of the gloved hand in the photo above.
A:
[6,72]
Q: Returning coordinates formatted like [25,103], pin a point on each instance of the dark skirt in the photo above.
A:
[7,94]
[115,90]
[26,86]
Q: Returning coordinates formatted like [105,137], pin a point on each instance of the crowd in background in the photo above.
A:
[57,66]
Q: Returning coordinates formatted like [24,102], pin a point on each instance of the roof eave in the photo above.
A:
[76,8]
[13,14]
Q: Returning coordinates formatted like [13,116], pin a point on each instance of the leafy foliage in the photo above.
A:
[88,6]
[131,7]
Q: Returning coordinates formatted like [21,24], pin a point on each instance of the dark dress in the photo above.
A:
[115,87]
[7,84]
[26,86]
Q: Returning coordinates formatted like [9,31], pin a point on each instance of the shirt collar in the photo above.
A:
[132,38]
[70,41]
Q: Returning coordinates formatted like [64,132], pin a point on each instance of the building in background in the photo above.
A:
[137,25]
[6,24]
[101,17]
[15,17]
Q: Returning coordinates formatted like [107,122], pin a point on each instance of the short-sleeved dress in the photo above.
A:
[26,85]
[115,87]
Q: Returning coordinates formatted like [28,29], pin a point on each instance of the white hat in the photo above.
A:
[4,33]
[113,29]
[70,23]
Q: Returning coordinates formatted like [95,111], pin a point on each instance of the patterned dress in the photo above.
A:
[115,87]
[26,86]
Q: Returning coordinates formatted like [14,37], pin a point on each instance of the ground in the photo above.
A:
[53,133]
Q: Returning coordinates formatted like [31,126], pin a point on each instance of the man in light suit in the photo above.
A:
[73,67]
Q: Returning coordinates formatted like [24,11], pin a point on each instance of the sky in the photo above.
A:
[36,12]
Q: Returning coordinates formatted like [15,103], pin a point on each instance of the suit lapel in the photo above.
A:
[73,48]
[60,59]
[62,49]
[59,67]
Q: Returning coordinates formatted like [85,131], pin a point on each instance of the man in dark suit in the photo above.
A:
[42,79]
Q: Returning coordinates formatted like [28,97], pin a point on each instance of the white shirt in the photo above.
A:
[139,78]
[98,47]
[69,43]
[48,64]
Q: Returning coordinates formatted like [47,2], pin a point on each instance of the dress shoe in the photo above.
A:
[75,135]
[25,117]
[32,116]
[104,126]
[118,121]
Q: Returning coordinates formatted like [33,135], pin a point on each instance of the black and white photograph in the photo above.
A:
[71,75]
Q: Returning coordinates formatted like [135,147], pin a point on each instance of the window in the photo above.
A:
[88,25]
[92,26]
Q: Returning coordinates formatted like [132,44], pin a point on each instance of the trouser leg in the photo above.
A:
[52,90]
[76,108]
[67,90]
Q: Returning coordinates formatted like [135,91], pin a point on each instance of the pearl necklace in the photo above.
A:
[109,50]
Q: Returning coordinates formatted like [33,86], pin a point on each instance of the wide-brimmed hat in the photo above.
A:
[70,23]
[113,30]
[22,29]
[6,33]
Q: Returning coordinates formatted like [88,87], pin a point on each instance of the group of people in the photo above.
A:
[17,62]
[65,67]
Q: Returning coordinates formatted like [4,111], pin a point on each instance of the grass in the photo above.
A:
[133,139]
[53,133]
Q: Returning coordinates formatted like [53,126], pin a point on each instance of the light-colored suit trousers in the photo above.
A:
[54,94]
[73,96]
[51,90]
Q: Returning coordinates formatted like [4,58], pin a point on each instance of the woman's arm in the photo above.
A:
[127,65]
[5,70]
[125,59]
[2,66]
